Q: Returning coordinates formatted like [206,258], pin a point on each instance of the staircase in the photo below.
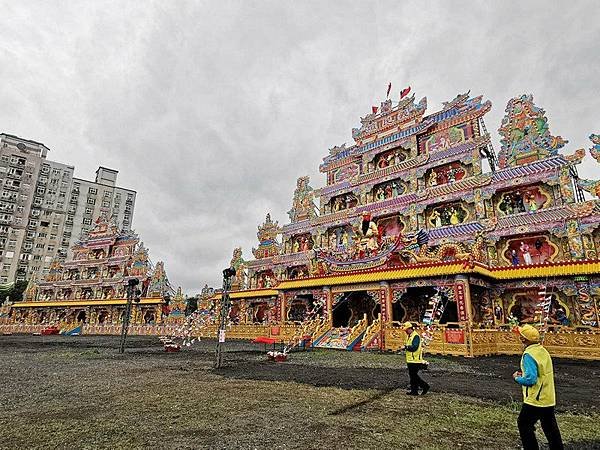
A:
[372,333]
[342,338]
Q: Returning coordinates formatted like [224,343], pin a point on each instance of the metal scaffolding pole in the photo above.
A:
[132,293]
[228,275]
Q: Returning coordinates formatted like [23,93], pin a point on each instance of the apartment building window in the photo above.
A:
[44,224]
[37,257]
[106,194]
[51,248]
[39,245]
[88,210]
[106,204]
[91,201]
[93,190]
[40,190]
[42,234]
[28,246]
[87,221]
[9,254]
[45,169]
[53,237]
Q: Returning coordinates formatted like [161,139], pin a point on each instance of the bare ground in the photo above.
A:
[61,392]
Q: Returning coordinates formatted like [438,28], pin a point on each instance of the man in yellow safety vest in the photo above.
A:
[536,378]
[413,349]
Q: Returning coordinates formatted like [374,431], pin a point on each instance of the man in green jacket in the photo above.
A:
[413,349]
[536,378]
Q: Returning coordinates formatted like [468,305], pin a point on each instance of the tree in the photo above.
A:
[191,305]
[16,293]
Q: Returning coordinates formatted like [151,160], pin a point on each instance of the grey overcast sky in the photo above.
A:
[210,110]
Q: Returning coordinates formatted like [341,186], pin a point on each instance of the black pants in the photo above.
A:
[528,418]
[416,381]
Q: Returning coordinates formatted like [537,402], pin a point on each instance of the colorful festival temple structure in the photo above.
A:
[421,221]
[90,288]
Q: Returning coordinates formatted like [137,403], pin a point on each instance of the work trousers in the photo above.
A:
[528,418]
[416,381]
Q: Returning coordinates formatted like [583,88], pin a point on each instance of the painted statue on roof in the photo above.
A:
[159,283]
[54,271]
[303,206]
[591,186]
[267,238]
[525,136]
[31,289]
[238,263]
[595,150]
[138,264]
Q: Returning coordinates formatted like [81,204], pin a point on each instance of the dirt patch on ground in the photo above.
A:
[63,392]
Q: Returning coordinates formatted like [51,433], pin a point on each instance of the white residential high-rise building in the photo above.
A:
[44,210]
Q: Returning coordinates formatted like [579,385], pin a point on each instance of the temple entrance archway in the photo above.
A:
[352,307]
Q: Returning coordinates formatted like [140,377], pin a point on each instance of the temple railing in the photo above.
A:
[448,339]
[371,333]
[357,330]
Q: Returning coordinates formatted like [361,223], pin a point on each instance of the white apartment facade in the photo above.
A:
[44,210]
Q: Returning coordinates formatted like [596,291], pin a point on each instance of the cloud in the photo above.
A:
[211,110]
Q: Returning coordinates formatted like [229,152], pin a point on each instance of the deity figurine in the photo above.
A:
[433,179]
[436,219]
[395,189]
[305,244]
[532,204]
[368,234]
[451,175]
[296,246]
[514,257]
[525,252]
[337,204]
[344,239]
[454,220]
[388,191]
[380,195]
[332,241]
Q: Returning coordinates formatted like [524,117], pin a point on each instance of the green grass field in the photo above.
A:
[79,393]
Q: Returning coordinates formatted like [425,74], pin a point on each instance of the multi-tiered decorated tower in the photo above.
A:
[91,287]
[421,212]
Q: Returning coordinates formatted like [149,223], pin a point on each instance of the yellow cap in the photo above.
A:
[530,333]
[407,325]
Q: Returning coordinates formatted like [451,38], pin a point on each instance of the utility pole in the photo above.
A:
[132,293]
[228,274]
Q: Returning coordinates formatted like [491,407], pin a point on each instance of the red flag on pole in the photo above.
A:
[389,89]
[404,92]
[374,109]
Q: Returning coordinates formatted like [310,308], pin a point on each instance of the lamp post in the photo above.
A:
[132,294]
[228,274]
